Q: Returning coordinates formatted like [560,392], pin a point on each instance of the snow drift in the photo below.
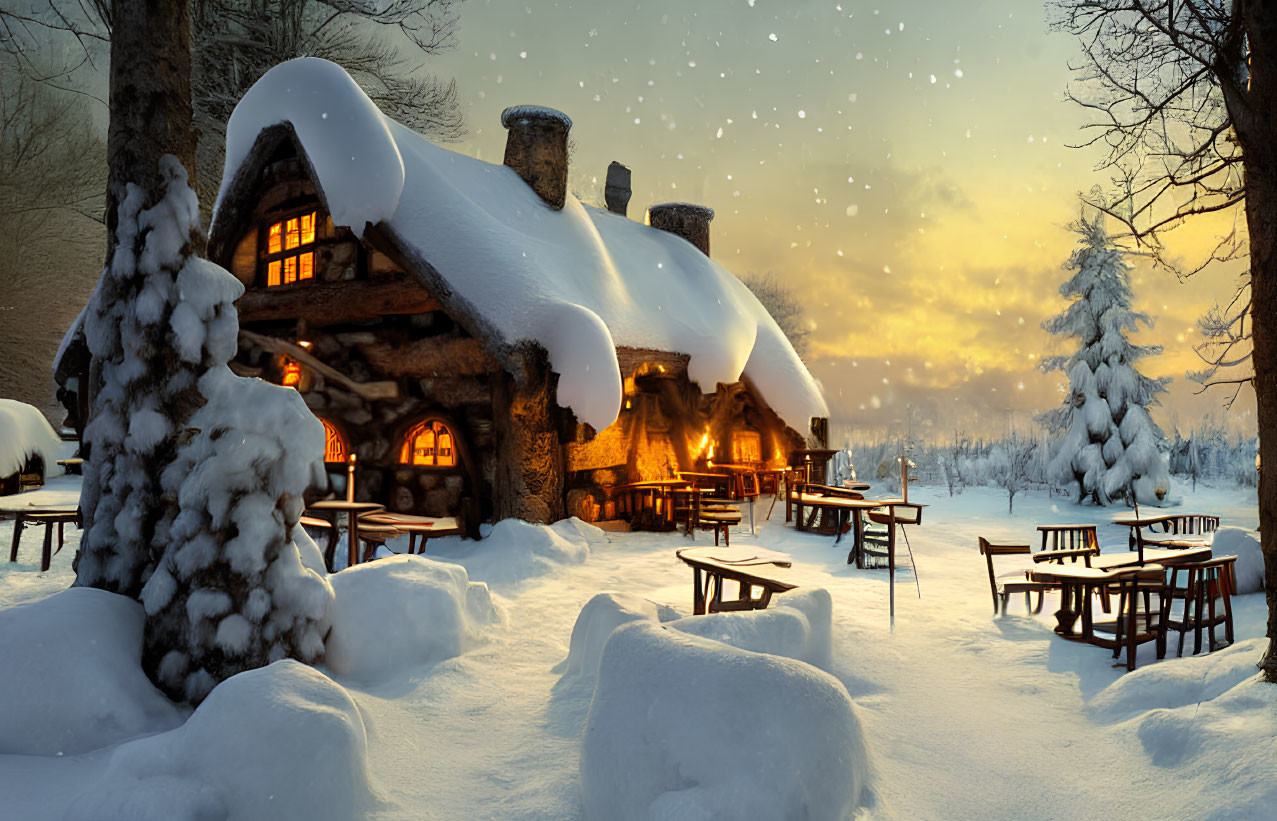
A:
[283,741]
[24,432]
[513,551]
[798,625]
[1244,544]
[579,281]
[594,626]
[398,613]
[71,679]
[686,727]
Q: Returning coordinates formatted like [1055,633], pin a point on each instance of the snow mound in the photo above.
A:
[1178,683]
[579,281]
[1244,544]
[71,679]
[597,621]
[798,625]
[341,130]
[665,736]
[311,556]
[514,551]
[24,432]
[282,741]
[402,612]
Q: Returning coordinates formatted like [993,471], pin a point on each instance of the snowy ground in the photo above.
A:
[967,715]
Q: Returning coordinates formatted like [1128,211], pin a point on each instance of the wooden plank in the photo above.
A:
[335,303]
[372,391]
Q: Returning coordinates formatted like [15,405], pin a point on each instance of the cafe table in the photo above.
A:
[333,508]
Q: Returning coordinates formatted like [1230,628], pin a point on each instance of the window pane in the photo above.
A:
[273,245]
[446,457]
[290,270]
[306,265]
[272,273]
[290,234]
[292,373]
[423,448]
[308,228]
[334,448]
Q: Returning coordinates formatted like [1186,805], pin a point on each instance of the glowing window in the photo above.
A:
[289,258]
[334,446]
[429,444]
[747,447]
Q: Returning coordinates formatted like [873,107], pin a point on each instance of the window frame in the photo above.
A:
[406,444]
[265,258]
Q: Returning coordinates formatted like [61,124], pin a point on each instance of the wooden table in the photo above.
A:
[1075,587]
[653,507]
[416,526]
[48,516]
[1177,553]
[73,466]
[749,567]
[334,508]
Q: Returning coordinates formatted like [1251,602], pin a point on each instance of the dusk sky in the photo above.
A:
[903,166]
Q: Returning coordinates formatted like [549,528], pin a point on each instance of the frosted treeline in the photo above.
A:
[197,475]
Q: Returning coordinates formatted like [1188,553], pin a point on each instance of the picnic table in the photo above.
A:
[749,567]
[423,527]
[334,508]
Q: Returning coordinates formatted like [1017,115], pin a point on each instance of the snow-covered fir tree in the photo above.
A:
[1109,446]
[197,475]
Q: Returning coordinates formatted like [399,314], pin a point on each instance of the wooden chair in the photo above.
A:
[1135,625]
[719,518]
[1069,537]
[1205,583]
[1004,585]
[1184,527]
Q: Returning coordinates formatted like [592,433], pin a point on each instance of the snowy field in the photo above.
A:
[472,712]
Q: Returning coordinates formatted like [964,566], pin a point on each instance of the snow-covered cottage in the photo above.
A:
[485,343]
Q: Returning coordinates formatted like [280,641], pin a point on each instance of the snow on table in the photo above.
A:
[60,491]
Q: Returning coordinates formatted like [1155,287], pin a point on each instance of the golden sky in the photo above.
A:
[903,165]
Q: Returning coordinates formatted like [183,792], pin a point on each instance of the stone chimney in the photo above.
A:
[537,148]
[691,222]
[617,190]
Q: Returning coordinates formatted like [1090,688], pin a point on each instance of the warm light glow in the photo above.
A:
[291,234]
[747,447]
[305,343]
[334,445]
[429,444]
[292,373]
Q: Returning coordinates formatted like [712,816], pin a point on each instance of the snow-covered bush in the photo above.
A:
[798,625]
[686,727]
[595,624]
[1244,544]
[196,475]
[403,612]
[24,432]
[283,741]
[1110,448]
[70,681]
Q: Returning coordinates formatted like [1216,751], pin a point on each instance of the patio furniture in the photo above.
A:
[1179,527]
[373,536]
[749,567]
[74,466]
[1135,625]
[1003,585]
[334,508]
[47,516]
[1205,583]
[1069,537]
[720,520]
[421,528]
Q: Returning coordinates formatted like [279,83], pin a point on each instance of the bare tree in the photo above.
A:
[1184,96]
[781,301]
[1226,348]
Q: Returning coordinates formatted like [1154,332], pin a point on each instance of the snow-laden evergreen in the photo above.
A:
[196,475]
[1109,446]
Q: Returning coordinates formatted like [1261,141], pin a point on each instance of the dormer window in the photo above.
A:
[290,250]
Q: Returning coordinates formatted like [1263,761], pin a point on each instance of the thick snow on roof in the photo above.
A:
[579,281]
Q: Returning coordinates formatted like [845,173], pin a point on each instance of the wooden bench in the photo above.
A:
[749,567]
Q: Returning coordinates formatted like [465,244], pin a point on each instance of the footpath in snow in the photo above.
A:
[965,714]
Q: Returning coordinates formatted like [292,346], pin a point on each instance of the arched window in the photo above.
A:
[334,445]
[429,444]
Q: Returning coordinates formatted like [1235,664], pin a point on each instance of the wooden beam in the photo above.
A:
[371,391]
[431,357]
[334,303]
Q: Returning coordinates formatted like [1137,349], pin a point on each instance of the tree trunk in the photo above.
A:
[529,471]
[150,116]
[150,105]
[1257,134]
